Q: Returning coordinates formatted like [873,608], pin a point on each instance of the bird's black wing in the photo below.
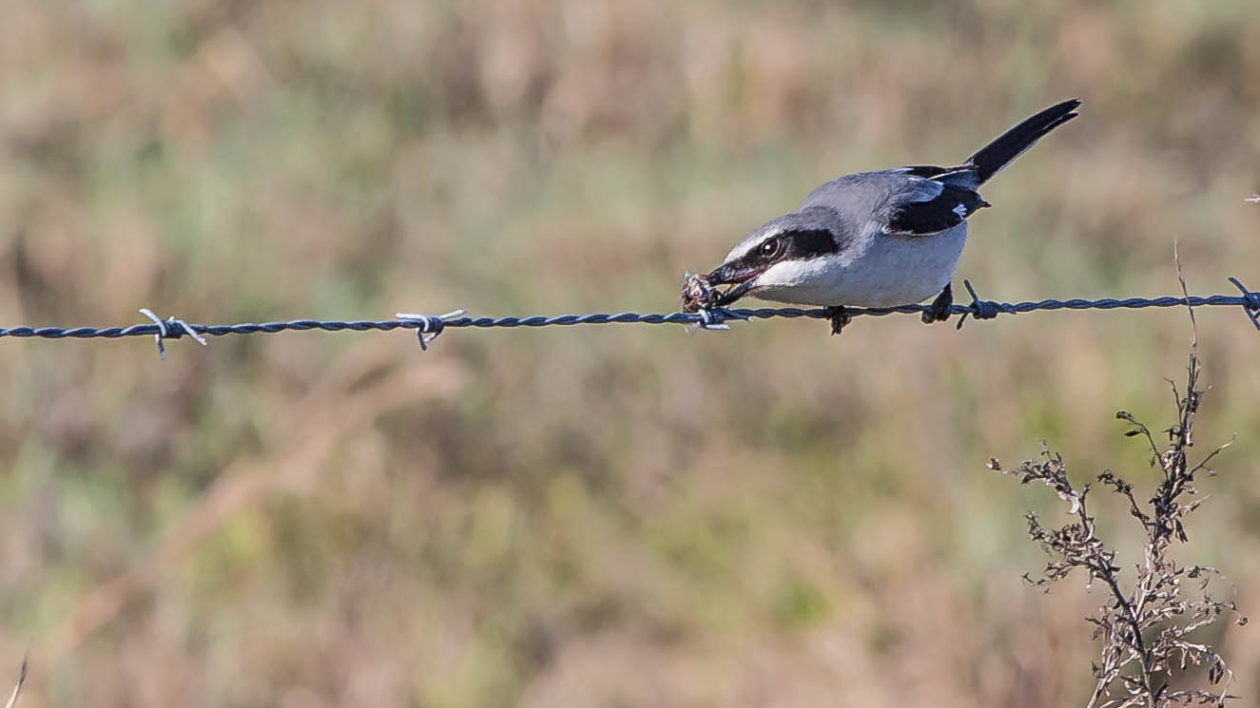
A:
[957,176]
[924,171]
[914,216]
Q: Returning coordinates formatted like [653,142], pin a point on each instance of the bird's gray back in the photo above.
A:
[870,192]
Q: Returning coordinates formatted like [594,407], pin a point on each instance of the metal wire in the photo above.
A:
[429,327]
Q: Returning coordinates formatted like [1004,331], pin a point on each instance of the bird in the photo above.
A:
[875,239]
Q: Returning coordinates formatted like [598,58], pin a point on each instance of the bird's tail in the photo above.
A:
[991,158]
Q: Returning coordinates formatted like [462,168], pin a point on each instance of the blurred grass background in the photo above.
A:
[594,516]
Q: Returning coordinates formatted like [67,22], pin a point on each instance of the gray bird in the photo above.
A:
[876,239]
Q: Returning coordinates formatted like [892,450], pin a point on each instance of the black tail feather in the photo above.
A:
[991,158]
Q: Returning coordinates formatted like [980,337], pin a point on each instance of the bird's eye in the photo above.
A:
[770,248]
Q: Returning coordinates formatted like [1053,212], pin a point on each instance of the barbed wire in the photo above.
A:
[428,327]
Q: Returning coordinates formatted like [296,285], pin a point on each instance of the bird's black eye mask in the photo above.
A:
[787,245]
[808,244]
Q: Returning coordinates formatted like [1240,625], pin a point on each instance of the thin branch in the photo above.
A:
[17,690]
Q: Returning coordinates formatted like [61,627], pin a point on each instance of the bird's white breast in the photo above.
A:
[878,271]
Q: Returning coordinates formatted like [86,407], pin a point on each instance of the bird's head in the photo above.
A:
[781,255]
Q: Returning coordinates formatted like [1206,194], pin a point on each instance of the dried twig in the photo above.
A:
[17,690]
[1145,627]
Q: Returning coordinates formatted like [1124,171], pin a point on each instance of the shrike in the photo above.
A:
[875,239]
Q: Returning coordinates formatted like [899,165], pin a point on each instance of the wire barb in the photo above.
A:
[171,328]
[427,327]
[979,309]
[1251,304]
[714,318]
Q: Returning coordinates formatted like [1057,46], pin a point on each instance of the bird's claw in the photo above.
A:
[839,318]
[940,308]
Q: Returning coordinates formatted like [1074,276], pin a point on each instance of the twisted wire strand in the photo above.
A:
[429,326]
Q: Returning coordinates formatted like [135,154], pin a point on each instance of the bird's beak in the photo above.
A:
[742,278]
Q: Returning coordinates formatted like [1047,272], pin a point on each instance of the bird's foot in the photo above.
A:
[839,318]
[939,310]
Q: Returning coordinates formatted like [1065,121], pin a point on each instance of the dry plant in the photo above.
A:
[17,689]
[1146,629]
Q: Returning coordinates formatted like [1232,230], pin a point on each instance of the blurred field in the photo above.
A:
[596,516]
